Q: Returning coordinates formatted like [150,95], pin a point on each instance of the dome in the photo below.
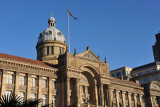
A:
[51,19]
[51,33]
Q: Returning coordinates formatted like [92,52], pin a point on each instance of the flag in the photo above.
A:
[71,14]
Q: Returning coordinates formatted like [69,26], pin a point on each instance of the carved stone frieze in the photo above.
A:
[34,89]
[10,86]
[54,91]
[90,57]
[45,90]
[155,87]
[22,88]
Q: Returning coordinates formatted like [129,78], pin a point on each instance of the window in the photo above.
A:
[22,96]
[146,79]
[59,51]
[156,100]
[47,50]
[120,95]
[44,99]
[21,80]
[9,79]
[52,49]
[140,73]
[147,72]
[8,92]
[114,94]
[155,77]
[33,96]
[132,97]
[33,82]
[124,73]
[126,96]
[83,89]
[143,99]
[140,81]
[53,101]
[44,83]
[137,98]
[118,74]
[112,75]
[83,100]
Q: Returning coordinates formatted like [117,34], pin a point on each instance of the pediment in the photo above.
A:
[155,85]
[90,55]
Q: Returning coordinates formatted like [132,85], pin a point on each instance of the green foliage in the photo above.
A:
[12,100]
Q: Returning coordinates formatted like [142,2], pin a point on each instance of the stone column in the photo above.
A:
[28,86]
[110,96]
[140,98]
[135,100]
[39,87]
[17,83]
[102,95]
[123,99]
[4,78]
[117,97]
[68,90]
[96,92]
[129,98]
[50,90]
[78,92]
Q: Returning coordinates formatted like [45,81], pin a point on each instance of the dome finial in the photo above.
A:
[51,14]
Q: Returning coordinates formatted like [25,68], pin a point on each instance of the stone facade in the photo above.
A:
[71,80]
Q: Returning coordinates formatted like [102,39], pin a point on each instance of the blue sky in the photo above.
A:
[123,31]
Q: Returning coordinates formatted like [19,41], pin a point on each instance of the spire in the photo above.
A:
[51,14]
[105,60]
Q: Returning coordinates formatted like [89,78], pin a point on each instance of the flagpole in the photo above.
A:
[68,30]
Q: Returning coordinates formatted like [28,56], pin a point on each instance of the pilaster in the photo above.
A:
[68,90]
[129,98]
[50,90]
[96,92]
[117,98]
[135,100]
[17,83]
[78,92]
[28,86]
[123,98]
[3,85]
[40,87]
[102,95]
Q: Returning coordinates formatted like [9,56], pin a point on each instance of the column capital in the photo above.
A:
[77,80]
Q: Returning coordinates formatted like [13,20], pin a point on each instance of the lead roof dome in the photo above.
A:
[51,33]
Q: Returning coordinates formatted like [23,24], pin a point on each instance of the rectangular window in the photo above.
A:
[21,80]
[124,73]
[47,50]
[132,97]
[155,77]
[33,82]
[114,94]
[43,100]
[52,49]
[120,95]
[126,96]
[44,83]
[112,75]
[8,92]
[33,96]
[53,101]
[9,79]
[140,73]
[22,96]
[118,74]
[146,79]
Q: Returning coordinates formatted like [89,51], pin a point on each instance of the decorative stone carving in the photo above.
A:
[22,88]
[10,86]
[155,86]
[34,89]
[90,56]
[44,90]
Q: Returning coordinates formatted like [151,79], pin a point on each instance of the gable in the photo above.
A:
[90,55]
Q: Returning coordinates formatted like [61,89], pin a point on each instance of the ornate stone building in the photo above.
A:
[63,79]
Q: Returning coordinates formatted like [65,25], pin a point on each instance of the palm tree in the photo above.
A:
[12,100]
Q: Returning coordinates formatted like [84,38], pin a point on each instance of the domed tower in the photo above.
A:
[51,43]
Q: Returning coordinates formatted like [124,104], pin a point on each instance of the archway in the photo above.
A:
[87,88]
